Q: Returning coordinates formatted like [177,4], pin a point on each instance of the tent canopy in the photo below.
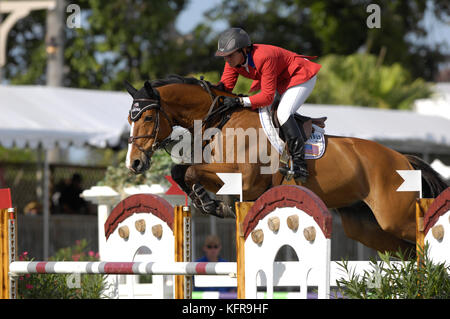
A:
[381,124]
[48,116]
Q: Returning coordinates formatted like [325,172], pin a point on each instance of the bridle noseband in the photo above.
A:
[154,105]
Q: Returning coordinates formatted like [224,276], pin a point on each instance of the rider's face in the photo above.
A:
[235,58]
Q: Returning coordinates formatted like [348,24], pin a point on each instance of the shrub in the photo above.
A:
[403,280]
[58,286]
[119,177]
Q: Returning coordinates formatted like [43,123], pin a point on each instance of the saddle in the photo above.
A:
[304,122]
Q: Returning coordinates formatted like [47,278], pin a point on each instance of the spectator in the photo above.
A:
[70,201]
[212,247]
[32,209]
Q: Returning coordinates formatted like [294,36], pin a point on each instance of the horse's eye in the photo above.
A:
[148,118]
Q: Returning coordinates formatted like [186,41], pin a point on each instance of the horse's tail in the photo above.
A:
[432,183]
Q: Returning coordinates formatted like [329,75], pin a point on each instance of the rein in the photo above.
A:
[214,100]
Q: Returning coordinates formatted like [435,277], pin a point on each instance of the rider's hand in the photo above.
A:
[232,102]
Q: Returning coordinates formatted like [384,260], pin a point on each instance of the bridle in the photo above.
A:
[154,105]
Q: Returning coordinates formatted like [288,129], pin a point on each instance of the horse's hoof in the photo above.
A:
[225,211]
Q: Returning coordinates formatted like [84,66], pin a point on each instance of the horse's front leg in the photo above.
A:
[202,177]
[178,173]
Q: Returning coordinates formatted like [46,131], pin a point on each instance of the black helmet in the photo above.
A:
[231,40]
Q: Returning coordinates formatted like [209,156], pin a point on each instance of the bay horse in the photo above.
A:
[356,177]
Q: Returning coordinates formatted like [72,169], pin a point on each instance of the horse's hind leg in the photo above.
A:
[360,224]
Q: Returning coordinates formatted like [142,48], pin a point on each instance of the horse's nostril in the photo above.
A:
[136,164]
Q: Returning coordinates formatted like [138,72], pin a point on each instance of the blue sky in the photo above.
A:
[193,15]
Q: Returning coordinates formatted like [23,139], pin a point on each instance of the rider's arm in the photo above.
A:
[229,77]
[268,85]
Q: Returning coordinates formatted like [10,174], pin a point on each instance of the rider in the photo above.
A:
[272,69]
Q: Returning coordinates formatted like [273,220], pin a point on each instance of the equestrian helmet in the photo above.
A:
[232,40]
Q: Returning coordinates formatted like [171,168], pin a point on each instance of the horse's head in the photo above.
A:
[150,125]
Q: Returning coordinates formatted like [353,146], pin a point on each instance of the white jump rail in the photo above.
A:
[124,268]
[286,274]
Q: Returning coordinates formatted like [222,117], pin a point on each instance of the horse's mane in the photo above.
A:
[174,79]
[178,79]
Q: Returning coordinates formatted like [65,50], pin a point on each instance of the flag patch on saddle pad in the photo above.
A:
[314,147]
[312,150]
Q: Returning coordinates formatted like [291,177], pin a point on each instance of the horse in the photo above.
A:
[355,177]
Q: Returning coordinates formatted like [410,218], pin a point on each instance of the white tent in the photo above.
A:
[45,117]
[382,124]
[438,103]
[49,116]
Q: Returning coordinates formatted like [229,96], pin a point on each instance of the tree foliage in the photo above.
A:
[118,39]
[137,40]
[360,79]
[118,176]
[321,27]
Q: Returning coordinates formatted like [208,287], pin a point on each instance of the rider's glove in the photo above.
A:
[231,102]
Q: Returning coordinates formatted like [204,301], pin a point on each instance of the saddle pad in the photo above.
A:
[314,147]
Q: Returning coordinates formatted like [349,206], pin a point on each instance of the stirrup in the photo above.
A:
[301,175]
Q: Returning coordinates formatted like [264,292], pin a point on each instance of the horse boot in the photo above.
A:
[202,201]
[296,147]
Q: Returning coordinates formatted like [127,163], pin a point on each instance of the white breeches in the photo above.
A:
[293,98]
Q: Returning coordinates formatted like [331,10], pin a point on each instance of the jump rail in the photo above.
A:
[123,268]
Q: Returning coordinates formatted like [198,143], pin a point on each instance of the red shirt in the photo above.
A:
[272,68]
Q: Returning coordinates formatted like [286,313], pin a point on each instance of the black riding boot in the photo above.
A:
[296,146]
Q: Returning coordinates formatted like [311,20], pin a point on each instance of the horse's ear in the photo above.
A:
[148,88]
[130,88]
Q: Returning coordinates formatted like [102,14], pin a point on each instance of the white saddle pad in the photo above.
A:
[314,147]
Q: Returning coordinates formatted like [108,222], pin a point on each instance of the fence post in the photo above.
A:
[183,249]
[242,209]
